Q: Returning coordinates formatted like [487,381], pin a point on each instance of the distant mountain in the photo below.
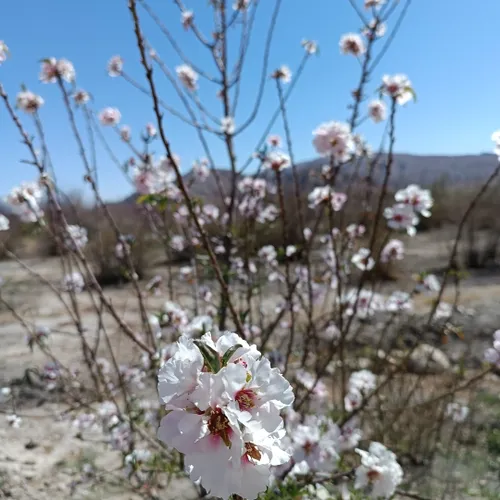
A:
[418,169]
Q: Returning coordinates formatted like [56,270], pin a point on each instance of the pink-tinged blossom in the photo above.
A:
[310,46]
[274,141]
[110,116]
[398,87]
[283,73]
[374,29]
[187,76]
[398,302]
[224,415]
[4,52]
[125,133]
[364,304]
[492,354]
[379,471]
[334,139]
[393,250]
[363,260]
[81,97]
[352,44]
[115,66]
[52,69]
[290,250]
[276,160]
[29,102]
[419,199]
[314,442]
[187,18]
[377,110]
[402,217]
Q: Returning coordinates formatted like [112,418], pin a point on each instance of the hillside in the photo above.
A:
[419,169]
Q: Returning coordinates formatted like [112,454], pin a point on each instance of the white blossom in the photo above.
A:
[29,102]
[335,139]
[352,44]
[458,412]
[379,471]
[363,260]
[276,160]
[227,125]
[398,87]
[419,199]
[115,66]
[402,217]
[225,402]
[4,52]
[187,76]
[187,17]
[310,46]
[110,116]
[377,110]
[393,250]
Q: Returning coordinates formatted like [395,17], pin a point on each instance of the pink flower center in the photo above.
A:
[218,425]
[373,475]
[246,399]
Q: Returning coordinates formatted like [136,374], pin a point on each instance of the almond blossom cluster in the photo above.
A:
[224,401]
[410,203]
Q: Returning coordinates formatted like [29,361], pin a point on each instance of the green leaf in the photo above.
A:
[229,353]
[210,356]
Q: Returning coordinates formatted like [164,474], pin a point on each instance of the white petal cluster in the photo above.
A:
[52,69]
[4,52]
[379,471]
[398,87]
[76,237]
[325,194]
[377,110]
[25,201]
[115,66]
[110,117]
[29,102]
[352,44]
[363,260]
[334,139]
[492,354]
[419,199]
[393,250]
[187,76]
[224,402]
[402,217]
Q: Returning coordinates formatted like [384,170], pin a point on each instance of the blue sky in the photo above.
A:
[448,49]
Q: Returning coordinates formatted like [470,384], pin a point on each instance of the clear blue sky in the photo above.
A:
[449,49]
